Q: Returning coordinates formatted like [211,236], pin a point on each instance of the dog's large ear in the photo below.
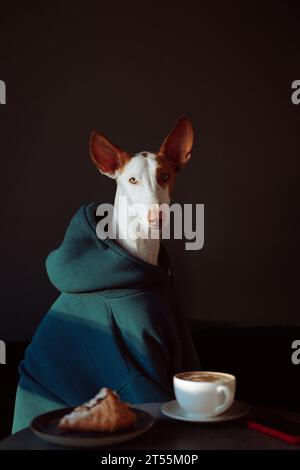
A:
[178,144]
[107,157]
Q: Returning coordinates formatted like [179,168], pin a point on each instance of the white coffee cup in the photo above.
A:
[204,394]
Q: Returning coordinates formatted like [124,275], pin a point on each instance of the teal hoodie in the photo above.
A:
[113,325]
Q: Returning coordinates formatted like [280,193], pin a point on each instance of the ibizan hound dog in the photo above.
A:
[146,180]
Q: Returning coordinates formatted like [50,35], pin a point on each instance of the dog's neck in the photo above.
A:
[138,244]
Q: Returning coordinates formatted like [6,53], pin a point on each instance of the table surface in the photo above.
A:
[167,434]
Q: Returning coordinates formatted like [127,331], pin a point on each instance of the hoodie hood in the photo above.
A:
[84,263]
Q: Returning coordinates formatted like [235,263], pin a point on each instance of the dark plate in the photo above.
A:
[46,427]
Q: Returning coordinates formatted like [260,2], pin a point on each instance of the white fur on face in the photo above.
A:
[146,192]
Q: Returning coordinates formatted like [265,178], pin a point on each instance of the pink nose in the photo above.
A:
[154,215]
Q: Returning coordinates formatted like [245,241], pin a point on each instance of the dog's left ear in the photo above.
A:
[178,144]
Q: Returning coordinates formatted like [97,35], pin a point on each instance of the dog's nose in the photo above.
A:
[154,215]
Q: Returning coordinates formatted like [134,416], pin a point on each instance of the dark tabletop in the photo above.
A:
[168,434]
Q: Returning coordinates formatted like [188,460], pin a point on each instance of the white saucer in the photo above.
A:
[237,410]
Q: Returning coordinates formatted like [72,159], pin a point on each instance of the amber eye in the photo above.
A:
[165,176]
[132,180]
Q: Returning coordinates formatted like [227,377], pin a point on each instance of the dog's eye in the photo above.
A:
[165,176]
[132,180]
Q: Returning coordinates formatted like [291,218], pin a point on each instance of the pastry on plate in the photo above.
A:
[104,412]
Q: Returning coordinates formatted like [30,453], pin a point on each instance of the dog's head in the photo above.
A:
[146,179]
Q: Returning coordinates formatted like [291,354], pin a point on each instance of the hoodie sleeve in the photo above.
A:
[155,341]
[145,341]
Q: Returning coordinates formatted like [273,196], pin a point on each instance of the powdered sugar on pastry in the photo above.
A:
[102,394]
[104,412]
[75,415]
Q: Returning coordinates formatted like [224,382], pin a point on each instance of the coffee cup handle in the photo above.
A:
[227,397]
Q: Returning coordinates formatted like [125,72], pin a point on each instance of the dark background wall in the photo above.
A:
[130,69]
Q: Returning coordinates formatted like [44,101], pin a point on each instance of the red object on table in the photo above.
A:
[275,426]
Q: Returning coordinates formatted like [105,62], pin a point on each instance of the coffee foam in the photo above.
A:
[204,377]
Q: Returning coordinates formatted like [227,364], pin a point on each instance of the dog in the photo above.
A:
[114,323]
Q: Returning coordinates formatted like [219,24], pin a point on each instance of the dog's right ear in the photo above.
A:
[108,158]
